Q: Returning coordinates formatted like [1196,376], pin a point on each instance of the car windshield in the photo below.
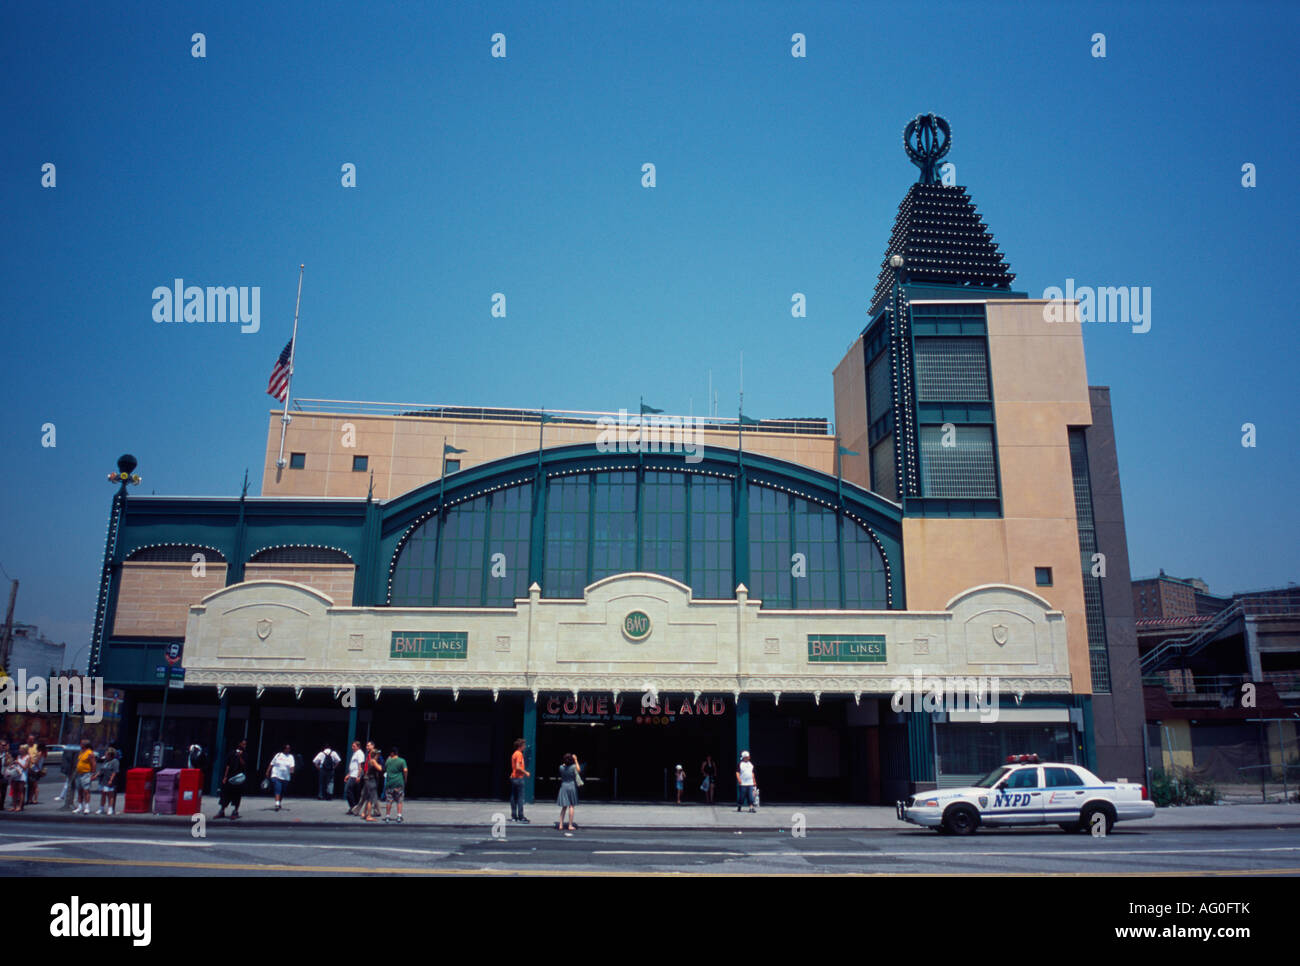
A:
[992,778]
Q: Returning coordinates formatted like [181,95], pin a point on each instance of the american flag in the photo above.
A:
[278,385]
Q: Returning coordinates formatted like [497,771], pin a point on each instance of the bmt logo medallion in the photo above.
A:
[636,626]
[263,629]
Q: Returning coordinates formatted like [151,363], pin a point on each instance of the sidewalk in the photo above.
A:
[258,810]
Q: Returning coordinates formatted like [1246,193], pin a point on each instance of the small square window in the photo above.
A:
[360,464]
[297,461]
[1043,576]
[453,466]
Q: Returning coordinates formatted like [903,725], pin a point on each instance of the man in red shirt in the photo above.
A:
[517,775]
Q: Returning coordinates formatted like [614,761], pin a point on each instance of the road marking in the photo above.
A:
[607,873]
[659,852]
[1083,852]
[43,843]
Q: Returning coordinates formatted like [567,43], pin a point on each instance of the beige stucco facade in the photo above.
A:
[283,634]
[1040,392]
[405,452]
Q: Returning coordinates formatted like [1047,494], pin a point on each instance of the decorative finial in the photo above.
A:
[927,138]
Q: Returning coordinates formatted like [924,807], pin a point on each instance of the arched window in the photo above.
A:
[484,554]
[175,553]
[300,555]
[600,523]
[794,555]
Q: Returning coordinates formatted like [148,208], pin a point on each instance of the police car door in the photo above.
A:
[1018,800]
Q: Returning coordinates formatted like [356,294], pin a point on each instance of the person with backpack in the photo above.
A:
[233,778]
[325,763]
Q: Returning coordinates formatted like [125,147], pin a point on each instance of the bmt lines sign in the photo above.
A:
[846,648]
[449,645]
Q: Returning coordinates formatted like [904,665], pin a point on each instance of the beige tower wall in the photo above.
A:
[851,414]
[1040,389]
[405,452]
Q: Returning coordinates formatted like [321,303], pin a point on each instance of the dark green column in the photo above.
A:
[920,747]
[742,732]
[219,751]
[1087,740]
[352,725]
[530,753]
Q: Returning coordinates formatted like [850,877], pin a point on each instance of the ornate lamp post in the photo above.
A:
[125,476]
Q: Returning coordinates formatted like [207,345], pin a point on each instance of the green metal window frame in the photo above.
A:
[707,522]
[1098,646]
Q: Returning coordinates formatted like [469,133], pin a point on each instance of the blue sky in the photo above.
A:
[522,175]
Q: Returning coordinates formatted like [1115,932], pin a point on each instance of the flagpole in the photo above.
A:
[541,426]
[285,418]
[437,532]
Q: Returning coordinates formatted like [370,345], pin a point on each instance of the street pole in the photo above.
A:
[6,642]
[162,721]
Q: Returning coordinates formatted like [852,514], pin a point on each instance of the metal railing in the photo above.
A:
[1214,685]
[1245,606]
[804,426]
[1159,655]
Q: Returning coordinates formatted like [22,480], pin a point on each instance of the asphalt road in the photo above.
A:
[36,849]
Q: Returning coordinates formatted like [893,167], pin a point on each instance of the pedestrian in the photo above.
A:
[370,784]
[84,776]
[709,769]
[745,782]
[679,778]
[517,775]
[325,763]
[6,764]
[395,777]
[234,776]
[36,772]
[68,766]
[108,772]
[352,786]
[280,771]
[16,773]
[570,771]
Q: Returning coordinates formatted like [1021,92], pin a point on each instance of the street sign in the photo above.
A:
[157,754]
[177,678]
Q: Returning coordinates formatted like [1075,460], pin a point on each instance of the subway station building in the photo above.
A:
[448,578]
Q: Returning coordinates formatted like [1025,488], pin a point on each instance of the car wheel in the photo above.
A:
[1086,818]
[961,820]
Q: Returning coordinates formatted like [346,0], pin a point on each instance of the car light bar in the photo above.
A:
[1022,759]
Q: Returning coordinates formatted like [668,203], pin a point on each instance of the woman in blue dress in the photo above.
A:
[568,797]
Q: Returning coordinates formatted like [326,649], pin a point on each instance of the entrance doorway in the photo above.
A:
[629,752]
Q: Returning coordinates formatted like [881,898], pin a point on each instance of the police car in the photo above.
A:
[1025,791]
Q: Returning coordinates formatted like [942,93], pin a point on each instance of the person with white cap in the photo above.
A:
[745,782]
[681,782]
